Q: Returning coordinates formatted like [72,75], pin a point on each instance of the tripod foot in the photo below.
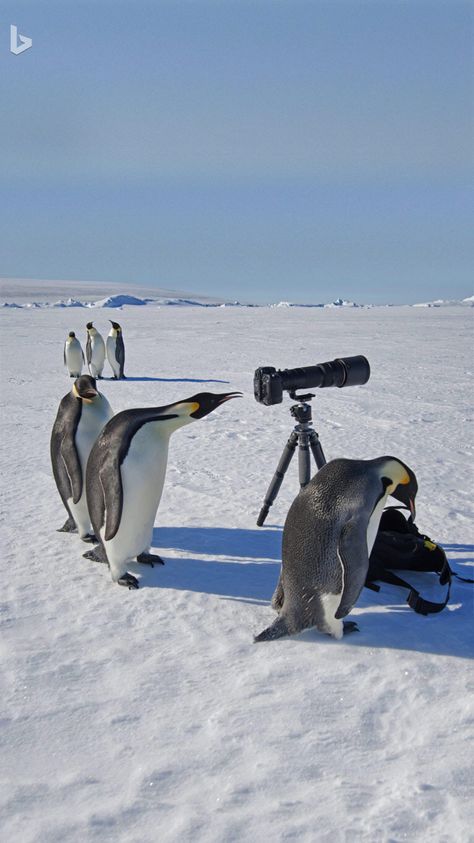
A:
[263,514]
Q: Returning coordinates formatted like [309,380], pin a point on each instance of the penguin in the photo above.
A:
[81,416]
[95,351]
[73,355]
[116,350]
[125,478]
[328,536]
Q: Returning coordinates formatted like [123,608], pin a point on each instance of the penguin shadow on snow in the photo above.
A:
[248,571]
[131,378]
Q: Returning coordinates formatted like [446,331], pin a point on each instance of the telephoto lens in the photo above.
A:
[270,383]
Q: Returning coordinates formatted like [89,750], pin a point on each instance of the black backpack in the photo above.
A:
[399,545]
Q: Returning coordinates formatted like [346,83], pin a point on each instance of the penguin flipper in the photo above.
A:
[88,350]
[120,354]
[111,482]
[72,465]
[354,557]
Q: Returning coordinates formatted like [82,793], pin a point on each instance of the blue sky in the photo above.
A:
[251,150]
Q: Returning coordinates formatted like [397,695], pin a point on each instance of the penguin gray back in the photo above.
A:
[327,539]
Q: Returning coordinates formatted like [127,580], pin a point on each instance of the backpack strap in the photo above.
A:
[414,599]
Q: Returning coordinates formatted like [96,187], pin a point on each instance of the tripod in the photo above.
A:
[305,437]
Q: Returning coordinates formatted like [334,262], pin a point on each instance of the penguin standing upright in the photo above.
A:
[116,350]
[81,416]
[95,351]
[73,355]
[125,478]
[328,536]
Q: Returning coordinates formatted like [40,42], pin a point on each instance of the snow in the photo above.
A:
[151,715]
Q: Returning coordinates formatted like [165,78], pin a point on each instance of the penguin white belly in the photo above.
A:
[93,418]
[97,356]
[143,475]
[74,360]
[111,346]
[373,525]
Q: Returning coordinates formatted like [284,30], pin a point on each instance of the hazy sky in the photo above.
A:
[252,150]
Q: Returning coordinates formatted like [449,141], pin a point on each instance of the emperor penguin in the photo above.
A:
[125,477]
[82,414]
[73,355]
[95,351]
[116,350]
[328,536]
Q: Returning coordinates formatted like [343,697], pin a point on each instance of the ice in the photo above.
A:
[147,716]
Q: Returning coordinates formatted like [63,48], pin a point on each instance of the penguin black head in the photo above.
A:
[71,334]
[115,325]
[85,388]
[401,482]
[89,325]
[209,401]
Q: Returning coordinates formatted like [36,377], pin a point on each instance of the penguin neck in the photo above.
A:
[163,427]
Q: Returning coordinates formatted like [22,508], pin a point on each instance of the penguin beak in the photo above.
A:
[227,397]
[209,401]
[89,394]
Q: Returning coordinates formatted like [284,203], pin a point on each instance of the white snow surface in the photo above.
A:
[145,716]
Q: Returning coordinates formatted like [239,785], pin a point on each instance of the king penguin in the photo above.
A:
[95,351]
[81,416]
[125,478]
[73,355]
[328,536]
[116,350]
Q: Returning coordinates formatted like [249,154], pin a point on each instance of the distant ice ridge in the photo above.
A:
[120,300]
[468,302]
[336,303]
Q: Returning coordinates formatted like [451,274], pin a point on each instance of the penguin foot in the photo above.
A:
[90,538]
[97,554]
[69,526]
[150,559]
[128,580]
[349,626]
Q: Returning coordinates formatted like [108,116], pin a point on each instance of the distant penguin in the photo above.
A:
[125,478]
[81,416]
[73,355]
[95,351]
[116,350]
[328,536]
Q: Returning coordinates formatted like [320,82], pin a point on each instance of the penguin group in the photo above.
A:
[110,469]
[96,352]
[110,472]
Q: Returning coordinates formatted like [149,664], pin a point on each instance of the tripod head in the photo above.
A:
[302,412]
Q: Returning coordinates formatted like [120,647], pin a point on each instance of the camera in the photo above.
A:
[269,383]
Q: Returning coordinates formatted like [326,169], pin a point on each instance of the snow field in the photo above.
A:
[146,716]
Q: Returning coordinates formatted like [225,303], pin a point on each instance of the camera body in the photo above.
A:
[270,383]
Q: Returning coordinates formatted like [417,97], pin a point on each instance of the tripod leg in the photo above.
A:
[304,459]
[316,448]
[277,479]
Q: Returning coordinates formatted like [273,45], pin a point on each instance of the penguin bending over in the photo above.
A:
[116,350]
[95,351]
[328,536]
[81,416]
[73,355]
[125,478]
